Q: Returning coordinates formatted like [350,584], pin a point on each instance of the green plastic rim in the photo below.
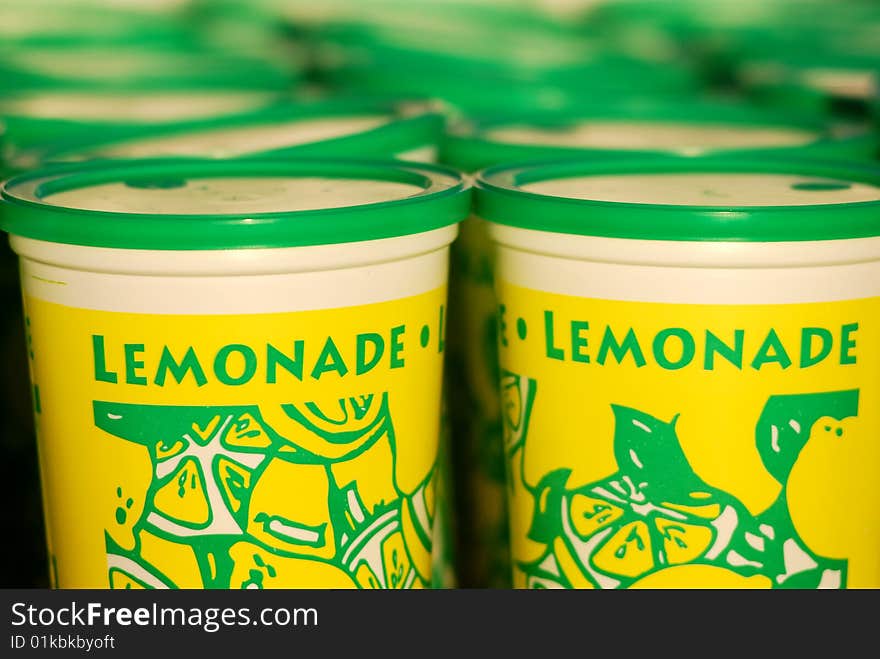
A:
[161,64]
[464,70]
[499,198]
[44,22]
[469,145]
[789,84]
[410,125]
[443,200]
[23,132]
[603,76]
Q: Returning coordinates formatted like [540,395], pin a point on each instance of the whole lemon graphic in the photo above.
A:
[835,516]
[702,577]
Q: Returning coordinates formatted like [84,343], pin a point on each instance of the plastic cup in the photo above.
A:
[343,128]
[237,368]
[647,130]
[689,355]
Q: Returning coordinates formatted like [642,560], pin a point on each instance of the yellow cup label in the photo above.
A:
[655,445]
[255,451]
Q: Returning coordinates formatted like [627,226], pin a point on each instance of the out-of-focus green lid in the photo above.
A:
[29,21]
[53,88]
[521,60]
[627,130]
[132,65]
[833,86]
[43,119]
[339,127]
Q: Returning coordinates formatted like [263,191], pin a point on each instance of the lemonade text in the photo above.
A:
[674,348]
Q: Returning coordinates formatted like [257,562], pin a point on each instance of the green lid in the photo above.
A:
[340,127]
[469,83]
[62,86]
[820,73]
[653,128]
[254,28]
[439,24]
[696,18]
[228,204]
[718,34]
[23,21]
[45,118]
[133,65]
[686,199]
[523,63]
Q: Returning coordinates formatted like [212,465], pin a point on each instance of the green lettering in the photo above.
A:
[364,365]
[733,355]
[221,364]
[101,372]
[132,364]
[397,346]
[579,342]
[189,363]
[552,351]
[441,333]
[329,360]
[619,350]
[848,344]
[771,352]
[688,348]
[826,342]
[276,358]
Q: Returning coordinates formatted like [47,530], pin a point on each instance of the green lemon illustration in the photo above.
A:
[127,572]
[256,508]
[654,513]
[378,556]
[655,521]
[202,456]
[517,400]
[701,576]
[259,569]
[205,459]
[838,519]
[784,434]
[785,423]
[339,431]
[181,496]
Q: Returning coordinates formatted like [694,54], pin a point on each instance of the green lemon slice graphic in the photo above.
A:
[127,573]
[182,497]
[335,431]
[229,488]
[205,463]
[652,514]
[236,481]
[203,458]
